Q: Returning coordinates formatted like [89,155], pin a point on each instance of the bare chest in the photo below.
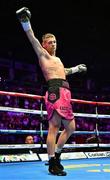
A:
[53,68]
[56,64]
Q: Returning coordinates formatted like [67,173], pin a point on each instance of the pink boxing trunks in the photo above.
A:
[58,98]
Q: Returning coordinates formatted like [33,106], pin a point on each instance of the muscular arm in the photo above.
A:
[24,16]
[40,51]
[79,68]
[72,70]
[68,71]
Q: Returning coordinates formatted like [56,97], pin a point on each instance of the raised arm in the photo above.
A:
[79,68]
[24,16]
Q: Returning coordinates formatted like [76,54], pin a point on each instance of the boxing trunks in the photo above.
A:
[57,98]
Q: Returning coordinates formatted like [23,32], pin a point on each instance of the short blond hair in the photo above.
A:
[46,36]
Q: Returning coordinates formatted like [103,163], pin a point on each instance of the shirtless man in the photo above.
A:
[58,96]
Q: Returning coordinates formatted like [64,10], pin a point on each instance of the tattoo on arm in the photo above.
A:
[68,71]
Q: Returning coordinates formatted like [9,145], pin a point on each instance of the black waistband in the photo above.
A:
[58,83]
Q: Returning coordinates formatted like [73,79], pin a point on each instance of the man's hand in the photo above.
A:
[82,68]
[23,14]
[77,69]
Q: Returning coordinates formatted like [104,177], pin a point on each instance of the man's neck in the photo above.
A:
[52,53]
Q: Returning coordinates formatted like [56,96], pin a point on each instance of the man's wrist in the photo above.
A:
[26,25]
[74,69]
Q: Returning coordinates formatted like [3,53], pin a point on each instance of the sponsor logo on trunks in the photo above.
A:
[52,96]
[65,108]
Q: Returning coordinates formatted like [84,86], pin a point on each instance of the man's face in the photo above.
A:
[50,45]
[29,140]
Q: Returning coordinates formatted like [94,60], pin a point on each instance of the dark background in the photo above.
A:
[82,29]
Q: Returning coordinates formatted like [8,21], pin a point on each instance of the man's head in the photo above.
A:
[29,140]
[49,43]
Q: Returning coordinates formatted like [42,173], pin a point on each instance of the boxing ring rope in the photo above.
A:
[31,111]
[21,95]
[11,131]
[42,97]
[41,112]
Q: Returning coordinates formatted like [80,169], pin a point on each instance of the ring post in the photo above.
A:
[96,128]
[42,118]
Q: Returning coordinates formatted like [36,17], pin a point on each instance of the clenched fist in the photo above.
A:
[82,68]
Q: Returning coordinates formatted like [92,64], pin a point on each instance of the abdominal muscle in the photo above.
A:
[53,73]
